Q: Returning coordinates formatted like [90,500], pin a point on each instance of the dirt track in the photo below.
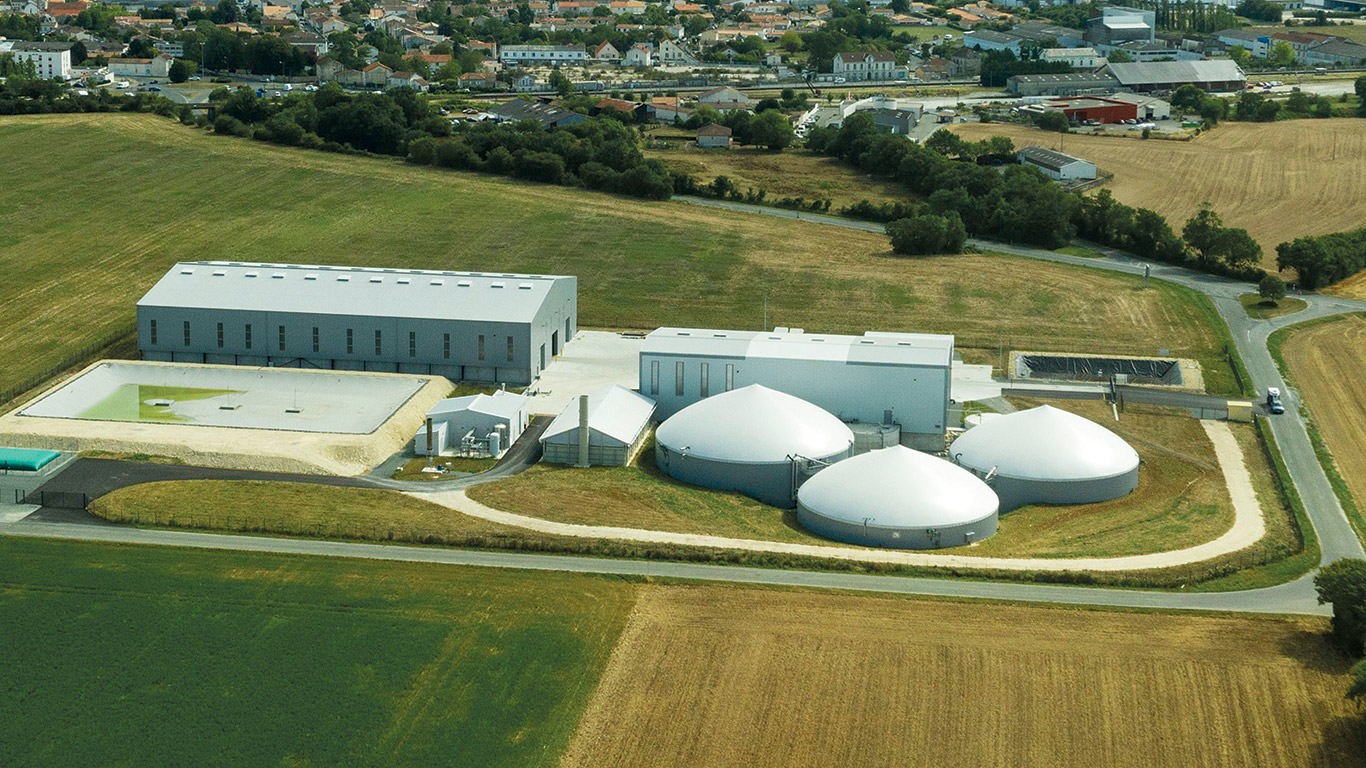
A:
[707,676]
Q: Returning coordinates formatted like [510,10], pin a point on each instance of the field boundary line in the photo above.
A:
[1248,528]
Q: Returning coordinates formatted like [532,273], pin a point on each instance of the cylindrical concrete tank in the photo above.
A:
[742,440]
[1048,456]
[898,498]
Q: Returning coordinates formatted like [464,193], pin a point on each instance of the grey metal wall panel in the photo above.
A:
[896,538]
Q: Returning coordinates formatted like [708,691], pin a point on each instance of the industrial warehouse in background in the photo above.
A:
[469,326]
[873,381]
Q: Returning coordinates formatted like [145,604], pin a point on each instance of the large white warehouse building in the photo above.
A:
[1048,456]
[877,378]
[898,498]
[462,325]
[754,440]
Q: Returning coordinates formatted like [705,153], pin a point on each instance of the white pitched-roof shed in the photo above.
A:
[618,419]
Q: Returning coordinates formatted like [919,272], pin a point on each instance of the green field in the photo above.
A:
[139,402]
[133,656]
[76,257]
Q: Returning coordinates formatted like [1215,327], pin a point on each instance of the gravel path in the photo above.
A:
[1248,528]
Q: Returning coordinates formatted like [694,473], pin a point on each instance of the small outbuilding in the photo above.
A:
[1056,165]
[713,136]
[1048,456]
[755,440]
[898,498]
[475,424]
[617,420]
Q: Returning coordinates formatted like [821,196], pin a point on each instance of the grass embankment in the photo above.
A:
[412,468]
[159,656]
[70,285]
[1256,306]
[1267,178]
[731,676]
[1181,501]
[1314,358]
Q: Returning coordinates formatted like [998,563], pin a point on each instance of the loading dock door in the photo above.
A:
[554,343]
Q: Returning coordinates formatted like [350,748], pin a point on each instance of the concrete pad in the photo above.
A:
[591,360]
[973,382]
[13,513]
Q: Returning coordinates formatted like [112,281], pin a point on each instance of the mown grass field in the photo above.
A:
[708,676]
[1181,500]
[1277,180]
[98,207]
[166,657]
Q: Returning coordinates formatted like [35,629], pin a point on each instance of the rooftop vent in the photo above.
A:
[438,282]
[343,278]
[278,276]
[464,283]
[496,285]
[310,277]
[376,279]
[187,271]
[252,274]
[524,286]
[219,273]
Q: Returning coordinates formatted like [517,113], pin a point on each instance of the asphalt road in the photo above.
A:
[1296,597]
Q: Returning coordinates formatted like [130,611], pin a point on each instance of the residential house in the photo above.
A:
[490,50]
[478,80]
[965,62]
[666,109]
[408,80]
[1076,58]
[157,66]
[858,66]
[638,55]
[376,74]
[435,60]
[606,52]
[352,78]
[898,121]
[525,82]
[713,136]
[307,42]
[632,108]
[632,7]
[934,69]
[724,99]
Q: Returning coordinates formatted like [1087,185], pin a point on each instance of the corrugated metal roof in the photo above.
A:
[1048,158]
[363,291]
[871,348]
[613,410]
[1161,72]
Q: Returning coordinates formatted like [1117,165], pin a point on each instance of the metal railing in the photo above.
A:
[55,499]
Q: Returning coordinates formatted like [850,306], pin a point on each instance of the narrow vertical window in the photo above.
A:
[412,343]
[510,348]
[481,347]
[730,377]
[705,386]
[187,333]
[315,338]
[248,335]
[379,348]
[350,338]
[446,345]
[282,338]
[654,377]
[220,335]
[678,379]
[154,332]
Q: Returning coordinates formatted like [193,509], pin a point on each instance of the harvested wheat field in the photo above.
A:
[1320,359]
[714,676]
[1278,180]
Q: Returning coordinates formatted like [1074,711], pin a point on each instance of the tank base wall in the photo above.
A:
[895,538]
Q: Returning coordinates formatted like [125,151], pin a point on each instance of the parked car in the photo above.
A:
[196,77]
[1273,400]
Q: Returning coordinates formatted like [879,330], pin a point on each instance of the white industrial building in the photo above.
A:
[1056,165]
[602,428]
[473,326]
[877,378]
[898,498]
[478,425]
[1048,456]
[755,440]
